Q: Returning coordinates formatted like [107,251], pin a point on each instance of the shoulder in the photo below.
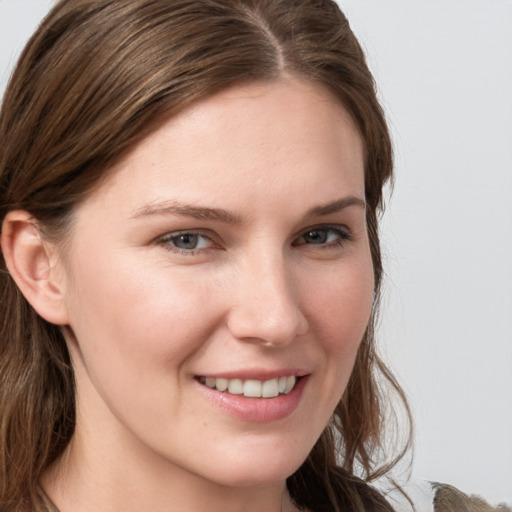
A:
[449,499]
[423,496]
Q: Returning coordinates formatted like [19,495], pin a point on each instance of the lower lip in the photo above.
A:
[257,410]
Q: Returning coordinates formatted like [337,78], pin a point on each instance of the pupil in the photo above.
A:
[316,237]
[186,241]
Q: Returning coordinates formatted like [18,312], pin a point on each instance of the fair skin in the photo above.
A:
[230,244]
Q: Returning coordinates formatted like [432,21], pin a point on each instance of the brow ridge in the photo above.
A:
[219,214]
[197,212]
[336,206]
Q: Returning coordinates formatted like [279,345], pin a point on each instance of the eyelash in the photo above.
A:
[167,242]
[342,233]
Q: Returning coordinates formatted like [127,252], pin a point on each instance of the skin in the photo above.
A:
[143,318]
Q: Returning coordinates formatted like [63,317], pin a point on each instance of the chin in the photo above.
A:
[263,476]
[260,468]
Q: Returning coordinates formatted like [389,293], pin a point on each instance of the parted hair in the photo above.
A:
[95,79]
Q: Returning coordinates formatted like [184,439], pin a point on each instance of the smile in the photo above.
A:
[252,388]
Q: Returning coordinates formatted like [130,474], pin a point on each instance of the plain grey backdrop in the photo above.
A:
[444,73]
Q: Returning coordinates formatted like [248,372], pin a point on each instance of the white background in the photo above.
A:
[444,72]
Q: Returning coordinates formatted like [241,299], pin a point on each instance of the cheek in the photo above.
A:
[342,310]
[136,332]
[136,317]
[341,306]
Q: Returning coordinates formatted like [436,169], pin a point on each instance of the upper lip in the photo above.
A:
[262,374]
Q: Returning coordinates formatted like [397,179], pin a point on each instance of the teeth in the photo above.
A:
[236,387]
[221,384]
[210,381]
[282,384]
[270,388]
[252,388]
[290,382]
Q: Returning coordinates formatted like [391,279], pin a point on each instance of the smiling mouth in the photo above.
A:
[252,388]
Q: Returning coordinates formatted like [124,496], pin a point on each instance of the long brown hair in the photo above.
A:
[96,78]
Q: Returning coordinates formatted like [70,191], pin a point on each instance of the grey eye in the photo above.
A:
[316,236]
[325,235]
[186,241]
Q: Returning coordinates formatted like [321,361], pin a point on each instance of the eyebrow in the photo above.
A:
[336,206]
[188,210]
[219,214]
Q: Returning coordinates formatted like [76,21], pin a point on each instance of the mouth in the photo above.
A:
[252,388]
[255,396]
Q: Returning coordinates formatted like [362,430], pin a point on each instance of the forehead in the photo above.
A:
[258,139]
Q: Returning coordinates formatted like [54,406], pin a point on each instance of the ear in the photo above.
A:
[33,264]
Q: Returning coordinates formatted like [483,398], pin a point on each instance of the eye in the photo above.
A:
[324,235]
[186,242]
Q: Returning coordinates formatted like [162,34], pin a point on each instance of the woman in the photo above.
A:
[191,264]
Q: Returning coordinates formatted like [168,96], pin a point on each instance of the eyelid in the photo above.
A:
[344,235]
[342,230]
[165,240]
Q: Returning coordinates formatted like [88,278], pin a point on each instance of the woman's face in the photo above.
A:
[228,249]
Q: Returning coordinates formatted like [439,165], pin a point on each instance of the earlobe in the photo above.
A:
[29,260]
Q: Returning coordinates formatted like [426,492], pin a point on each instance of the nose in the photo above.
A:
[265,303]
